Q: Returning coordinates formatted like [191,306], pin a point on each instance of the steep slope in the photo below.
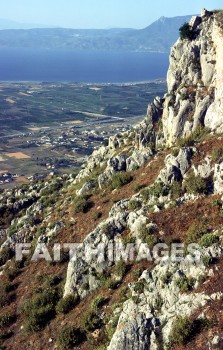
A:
[195,81]
[150,188]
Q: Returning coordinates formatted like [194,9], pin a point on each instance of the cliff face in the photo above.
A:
[150,185]
[195,81]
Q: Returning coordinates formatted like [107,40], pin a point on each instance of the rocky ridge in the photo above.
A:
[181,125]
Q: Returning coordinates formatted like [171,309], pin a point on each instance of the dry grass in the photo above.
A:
[17,155]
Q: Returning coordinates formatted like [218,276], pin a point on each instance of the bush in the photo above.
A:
[5,297]
[80,204]
[145,194]
[175,151]
[5,255]
[136,273]
[196,184]
[110,283]
[176,190]
[159,189]
[195,232]
[40,309]
[12,230]
[186,32]
[137,187]
[36,319]
[207,260]
[66,304]
[134,204]
[139,287]
[7,319]
[217,155]
[197,135]
[69,338]
[120,268]
[187,141]
[97,215]
[98,302]
[147,234]
[185,284]
[182,331]
[120,179]
[208,239]
[90,321]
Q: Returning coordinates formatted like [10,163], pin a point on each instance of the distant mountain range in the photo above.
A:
[157,37]
[8,24]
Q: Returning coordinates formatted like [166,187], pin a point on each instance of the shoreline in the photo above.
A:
[24,82]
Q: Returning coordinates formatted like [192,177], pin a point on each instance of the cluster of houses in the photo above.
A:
[7,177]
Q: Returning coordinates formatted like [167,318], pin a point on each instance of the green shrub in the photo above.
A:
[147,234]
[195,232]
[175,190]
[85,286]
[13,271]
[145,194]
[67,304]
[197,135]
[120,179]
[182,331]
[110,283]
[136,273]
[5,297]
[217,155]
[159,189]
[69,338]
[134,204]
[186,32]
[97,215]
[185,284]
[175,151]
[37,319]
[187,141]
[207,260]
[158,303]
[7,319]
[12,229]
[98,302]
[208,239]
[196,184]
[139,287]
[40,309]
[5,255]
[80,204]
[137,187]
[120,268]
[90,321]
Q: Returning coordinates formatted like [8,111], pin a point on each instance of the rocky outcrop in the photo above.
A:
[175,167]
[146,320]
[195,81]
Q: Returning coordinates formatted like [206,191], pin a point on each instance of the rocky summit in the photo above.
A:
[128,253]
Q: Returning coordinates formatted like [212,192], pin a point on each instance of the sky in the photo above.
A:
[100,13]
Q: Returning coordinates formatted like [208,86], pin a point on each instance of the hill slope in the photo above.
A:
[152,185]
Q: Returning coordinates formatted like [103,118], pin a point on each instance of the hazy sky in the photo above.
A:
[100,13]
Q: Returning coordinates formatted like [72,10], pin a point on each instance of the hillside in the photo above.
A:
[150,192]
[159,36]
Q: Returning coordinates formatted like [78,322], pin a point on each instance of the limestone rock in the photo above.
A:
[218,178]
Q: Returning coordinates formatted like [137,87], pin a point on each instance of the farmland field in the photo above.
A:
[54,126]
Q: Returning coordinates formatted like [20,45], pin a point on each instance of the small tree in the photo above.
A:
[186,32]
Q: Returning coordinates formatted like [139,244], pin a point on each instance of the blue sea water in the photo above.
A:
[44,65]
